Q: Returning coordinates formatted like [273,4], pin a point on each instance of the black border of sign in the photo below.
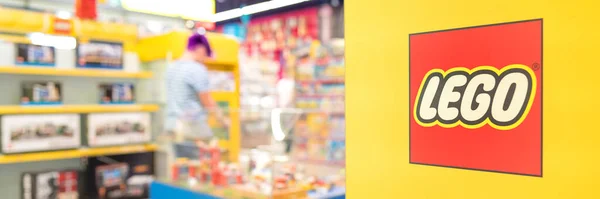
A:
[541,100]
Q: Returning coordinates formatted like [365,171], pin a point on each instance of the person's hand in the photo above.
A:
[226,122]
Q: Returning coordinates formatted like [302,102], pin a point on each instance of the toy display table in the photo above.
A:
[162,190]
[335,193]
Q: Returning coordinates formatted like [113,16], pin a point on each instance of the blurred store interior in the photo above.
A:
[85,99]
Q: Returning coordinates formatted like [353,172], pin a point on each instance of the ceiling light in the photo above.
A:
[254,8]
[64,14]
[59,42]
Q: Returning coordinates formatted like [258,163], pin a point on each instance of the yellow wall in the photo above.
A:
[377,99]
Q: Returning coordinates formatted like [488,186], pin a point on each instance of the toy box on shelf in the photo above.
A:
[320,78]
[33,39]
[29,133]
[41,93]
[106,129]
[62,184]
[320,138]
[116,93]
[100,54]
[125,176]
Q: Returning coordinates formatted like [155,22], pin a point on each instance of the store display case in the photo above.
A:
[305,159]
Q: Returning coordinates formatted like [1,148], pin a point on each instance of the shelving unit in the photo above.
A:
[72,72]
[75,153]
[79,89]
[92,108]
[321,95]
[223,95]
[322,81]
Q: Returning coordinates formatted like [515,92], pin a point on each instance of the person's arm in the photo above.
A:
[211,105]
[198,79]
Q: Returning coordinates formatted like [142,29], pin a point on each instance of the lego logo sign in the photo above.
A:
[485,95]
[476,98]
[62,26]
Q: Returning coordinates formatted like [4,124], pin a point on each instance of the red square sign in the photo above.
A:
[476,98]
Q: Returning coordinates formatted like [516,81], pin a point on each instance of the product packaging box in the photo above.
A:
[116,93]
[28,133]
[41,93]
[50,185]
[336,151]
[99,54]
[337,127]
[119,176]
[105,129]
[35,55]
[8,51]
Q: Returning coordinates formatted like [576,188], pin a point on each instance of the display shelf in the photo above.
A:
[322,81]
[333,138]
[222,95]
[95,108]
[320,95]
[338,114]
[219,63]
[75,153]
[73,72]
[322,162]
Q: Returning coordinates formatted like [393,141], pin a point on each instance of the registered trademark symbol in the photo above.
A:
[536,66]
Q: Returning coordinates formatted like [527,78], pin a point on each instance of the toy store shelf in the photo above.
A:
[321,95]
[322,162]
[335,138]
[72,72]
[322,81]
[220,65]
[96,108]
[75,153]
[338,114]
[224,144]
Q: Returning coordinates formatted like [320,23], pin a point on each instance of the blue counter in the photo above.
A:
[160,190]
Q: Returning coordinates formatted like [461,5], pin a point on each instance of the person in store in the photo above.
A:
[189,102]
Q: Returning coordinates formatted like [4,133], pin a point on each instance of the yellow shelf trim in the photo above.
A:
[76,153]
[72,72]
[96,108]
[223,95]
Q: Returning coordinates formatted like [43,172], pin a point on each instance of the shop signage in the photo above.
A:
[476,98]
[62,26]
